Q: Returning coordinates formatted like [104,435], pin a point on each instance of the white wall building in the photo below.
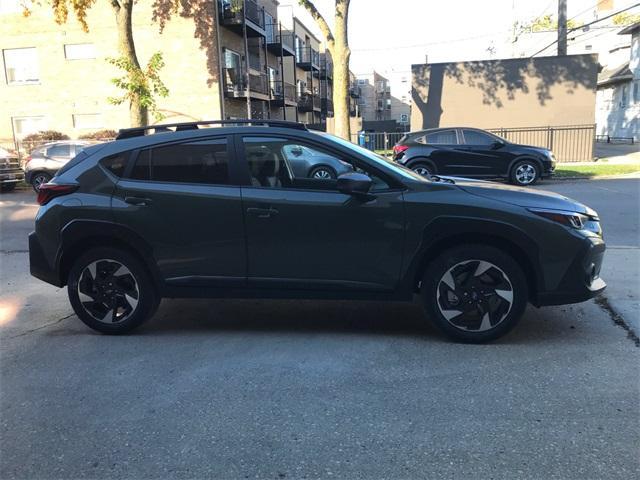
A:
[618,94]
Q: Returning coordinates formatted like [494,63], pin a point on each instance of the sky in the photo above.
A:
[391,35]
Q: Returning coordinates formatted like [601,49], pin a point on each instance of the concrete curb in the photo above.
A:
[596,177]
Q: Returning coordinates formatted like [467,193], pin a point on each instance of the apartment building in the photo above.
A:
[375,96]
[229,59]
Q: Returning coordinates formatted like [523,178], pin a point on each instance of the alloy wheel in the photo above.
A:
[322,174]
[108,291]
[526,174]
[420,170]
[474,295]
[39,180]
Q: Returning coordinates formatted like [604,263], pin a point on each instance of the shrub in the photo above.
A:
[44,136]
[99,135]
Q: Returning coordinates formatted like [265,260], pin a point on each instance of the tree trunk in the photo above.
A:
[341,54]
[138,114]
[341,93]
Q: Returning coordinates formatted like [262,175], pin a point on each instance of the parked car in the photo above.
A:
[10,172]
[195,213]
[473,153]
[44,161]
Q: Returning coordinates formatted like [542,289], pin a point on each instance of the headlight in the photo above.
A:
[589,225]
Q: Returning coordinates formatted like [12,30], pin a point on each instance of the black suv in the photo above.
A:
[219,212]
[473,153]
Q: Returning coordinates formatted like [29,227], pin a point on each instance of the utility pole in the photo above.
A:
[562,27]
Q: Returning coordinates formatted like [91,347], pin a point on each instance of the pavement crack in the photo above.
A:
[55,322]
[604,304]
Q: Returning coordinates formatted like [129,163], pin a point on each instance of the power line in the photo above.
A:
[586,25]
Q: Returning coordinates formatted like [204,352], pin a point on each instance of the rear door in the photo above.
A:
[444,150]
[180,198]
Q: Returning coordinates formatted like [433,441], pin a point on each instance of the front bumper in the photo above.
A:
[582,280]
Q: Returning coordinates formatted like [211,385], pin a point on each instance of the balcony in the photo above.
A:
[308,59]
[283,95]
[280,40]
[259,86]
[236,13]
[326,66]
[326,106]
[308,102]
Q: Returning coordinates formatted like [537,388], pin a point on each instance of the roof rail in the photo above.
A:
[178,127]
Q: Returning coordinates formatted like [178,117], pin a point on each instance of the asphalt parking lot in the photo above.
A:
[291,389]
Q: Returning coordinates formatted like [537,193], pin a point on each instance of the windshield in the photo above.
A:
[377,159]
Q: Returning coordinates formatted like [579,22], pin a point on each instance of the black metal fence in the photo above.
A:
[569,143]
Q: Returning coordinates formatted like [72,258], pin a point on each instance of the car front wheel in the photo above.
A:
[524,173]
[39,179]
[111,291]
[474,293]
[322,173]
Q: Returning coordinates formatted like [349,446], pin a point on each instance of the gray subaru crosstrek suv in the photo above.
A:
[221,212]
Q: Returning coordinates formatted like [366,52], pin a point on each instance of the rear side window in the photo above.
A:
[63,150]
[194,162]
[116,163]
[443,137]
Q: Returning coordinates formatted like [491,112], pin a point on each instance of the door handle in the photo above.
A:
[139,201]
[262,212]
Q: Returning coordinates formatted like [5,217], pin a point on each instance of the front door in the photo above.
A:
[180,199]
[303,233]
[481,155]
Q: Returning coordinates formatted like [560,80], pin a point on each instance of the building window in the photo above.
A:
[404,118]
[87,120]
[623,96]
[21,66]
[362,81]
[25,125]
[79,51]
[636,91]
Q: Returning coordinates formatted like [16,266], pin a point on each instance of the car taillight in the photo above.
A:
[49,191]
[399,148]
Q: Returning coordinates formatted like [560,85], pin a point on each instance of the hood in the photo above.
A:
[522,196]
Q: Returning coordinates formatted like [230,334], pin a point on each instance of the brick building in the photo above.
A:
[227,59]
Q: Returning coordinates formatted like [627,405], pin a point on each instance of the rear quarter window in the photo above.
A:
[116,164]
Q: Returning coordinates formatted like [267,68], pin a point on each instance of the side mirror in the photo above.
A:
[497,144]
[352,183]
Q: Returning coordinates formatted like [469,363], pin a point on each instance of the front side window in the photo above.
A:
[473,137]
[21,66]
[443,137]
[194,162]
[288,163]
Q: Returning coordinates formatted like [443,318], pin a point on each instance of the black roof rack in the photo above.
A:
[178,127]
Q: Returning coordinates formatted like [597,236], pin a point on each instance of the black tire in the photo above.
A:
[489,315]
[8,187]
[525,173]
[106,258]
[38,179]
[328,170]
[422,169]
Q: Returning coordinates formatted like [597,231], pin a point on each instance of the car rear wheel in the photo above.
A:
[525,172]
[474,293]
[39,179]
[322,173]
[422,169]
[111,291]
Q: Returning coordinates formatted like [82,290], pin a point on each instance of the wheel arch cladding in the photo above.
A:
[80,236]
[465,231]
